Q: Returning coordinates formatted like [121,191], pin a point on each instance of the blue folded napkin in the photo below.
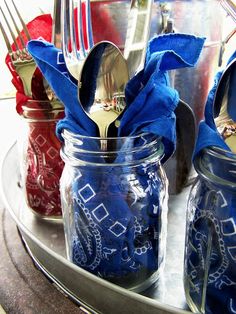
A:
[115,241]
[207,133]
[211,244]
[210,250]
[115,229]
[150,99]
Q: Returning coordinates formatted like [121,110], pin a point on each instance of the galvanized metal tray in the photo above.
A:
[46,245]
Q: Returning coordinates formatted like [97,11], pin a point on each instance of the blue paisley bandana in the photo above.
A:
[117,222]
[211,249]
[150,100]
[210,259]
[118,217]
[208,135]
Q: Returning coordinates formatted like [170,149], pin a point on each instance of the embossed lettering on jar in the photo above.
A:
[114,206]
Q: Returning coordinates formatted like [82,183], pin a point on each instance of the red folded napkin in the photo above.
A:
[43,163]
[39,27]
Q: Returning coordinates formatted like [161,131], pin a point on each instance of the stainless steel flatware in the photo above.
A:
[178,168]
[56,25]
[137,34]
[56,40]
[224,105]
[73,46]
[102,84]
[22,61]
[88,27]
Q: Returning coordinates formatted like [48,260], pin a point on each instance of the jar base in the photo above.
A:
[138,282]
[55,219]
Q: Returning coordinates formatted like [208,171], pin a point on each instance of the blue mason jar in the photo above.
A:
[210,250]
[114,205]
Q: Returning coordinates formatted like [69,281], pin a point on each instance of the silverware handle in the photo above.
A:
[137,34]
[56,25]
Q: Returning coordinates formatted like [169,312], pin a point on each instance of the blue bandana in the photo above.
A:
[208,135]
[150,100]
[115,233]
[118,212]
[210,260]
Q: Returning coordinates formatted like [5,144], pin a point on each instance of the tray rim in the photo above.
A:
[135,296]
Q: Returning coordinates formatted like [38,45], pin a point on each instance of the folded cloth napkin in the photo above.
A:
[39,27]
[43,164]
[213,211]
[208,134]
[116,230]
[114,235]
[150,99]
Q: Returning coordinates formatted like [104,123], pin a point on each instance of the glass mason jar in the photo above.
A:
[41,164]
[114,206]
[210,251]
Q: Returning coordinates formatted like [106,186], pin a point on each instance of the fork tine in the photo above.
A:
[6,39]
[80,29]
[64,27]
[71,30]
[56,25]
[16,27]
[72,45]
[73,39]
[10,30]
[68,35]
[22,21]
[89,28]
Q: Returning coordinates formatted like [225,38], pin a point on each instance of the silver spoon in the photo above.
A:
[102,83]
[224,106]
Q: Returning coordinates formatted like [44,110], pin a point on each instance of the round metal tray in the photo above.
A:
[46,245]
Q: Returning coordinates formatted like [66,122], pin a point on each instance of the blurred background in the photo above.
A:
[200,17]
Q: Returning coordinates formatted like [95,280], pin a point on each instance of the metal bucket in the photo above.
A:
[204,18]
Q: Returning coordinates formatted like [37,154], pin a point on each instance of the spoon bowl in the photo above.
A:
[224,105]
[102,84]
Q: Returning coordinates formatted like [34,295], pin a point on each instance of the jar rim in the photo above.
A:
[68,133]
[217,165]
[221,153]
[77,150]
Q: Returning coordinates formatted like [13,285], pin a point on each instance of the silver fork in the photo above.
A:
[56,40]
[22,61]
[73,55]
[56,26]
